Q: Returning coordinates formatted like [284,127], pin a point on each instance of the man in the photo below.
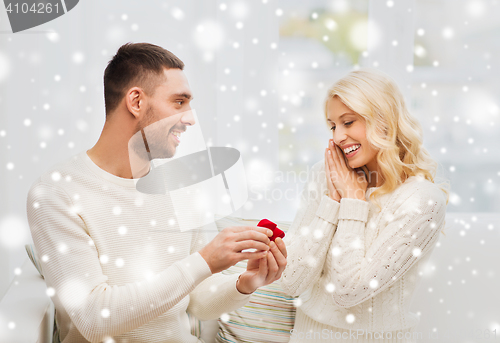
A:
[120,267]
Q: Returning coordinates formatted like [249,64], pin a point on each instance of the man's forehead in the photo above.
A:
[176,83]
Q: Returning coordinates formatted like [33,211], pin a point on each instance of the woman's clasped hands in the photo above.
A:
[343,181]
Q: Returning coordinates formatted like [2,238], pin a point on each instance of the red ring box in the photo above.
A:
[270,225]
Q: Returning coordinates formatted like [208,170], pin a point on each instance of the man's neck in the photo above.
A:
[111,154]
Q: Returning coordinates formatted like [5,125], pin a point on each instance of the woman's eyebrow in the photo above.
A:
[340,116]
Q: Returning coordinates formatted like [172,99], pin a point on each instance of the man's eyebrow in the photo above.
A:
[183,95]
[340,116]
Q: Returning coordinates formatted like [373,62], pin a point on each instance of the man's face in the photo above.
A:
[168,113]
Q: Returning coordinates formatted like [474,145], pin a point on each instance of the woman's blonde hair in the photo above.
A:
[389,127]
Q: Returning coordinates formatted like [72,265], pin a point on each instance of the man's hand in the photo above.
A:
[261,272]
[225,250]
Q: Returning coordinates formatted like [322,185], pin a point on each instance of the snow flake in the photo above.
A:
[318,234]
[330,287]
[224,317]
[53,36]
[56,176]
[105,313]
[104,259]
[357,244]
[297,302]
[350,318]
[311,261]
[331,24]
[177,13]
[119,262]
[448,33]
[63,248]
[50,292]
[78,57]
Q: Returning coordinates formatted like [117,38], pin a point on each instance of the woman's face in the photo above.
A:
[349,131]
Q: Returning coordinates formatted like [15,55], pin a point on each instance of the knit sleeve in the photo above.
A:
[309,237]
[216,294]
[72,268]
[360,272]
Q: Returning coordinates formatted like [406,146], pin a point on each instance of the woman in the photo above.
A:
[369,218]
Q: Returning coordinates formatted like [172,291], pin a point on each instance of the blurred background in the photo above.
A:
[259,71]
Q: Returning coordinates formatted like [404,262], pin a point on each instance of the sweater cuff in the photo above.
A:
[233,292]
[328,209]
[353,209]
[196,266]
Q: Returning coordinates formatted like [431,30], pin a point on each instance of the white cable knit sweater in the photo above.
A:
[355,267]
[117,260]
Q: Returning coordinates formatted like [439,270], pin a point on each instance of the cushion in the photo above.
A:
[268,316]
[30,249]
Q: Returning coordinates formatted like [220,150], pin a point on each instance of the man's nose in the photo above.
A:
[188,118]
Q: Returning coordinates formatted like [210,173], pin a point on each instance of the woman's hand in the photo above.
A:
[332,191]
[347,182]
[261,272]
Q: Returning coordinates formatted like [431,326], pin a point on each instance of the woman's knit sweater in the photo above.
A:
[356,267]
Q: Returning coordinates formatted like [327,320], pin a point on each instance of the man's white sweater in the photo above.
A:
[117,260]
[356,267]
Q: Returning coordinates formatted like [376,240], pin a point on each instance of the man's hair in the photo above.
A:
[136,64]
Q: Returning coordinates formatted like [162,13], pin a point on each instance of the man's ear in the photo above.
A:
[134,100]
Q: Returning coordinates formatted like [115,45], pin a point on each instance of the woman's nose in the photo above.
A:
[339,136]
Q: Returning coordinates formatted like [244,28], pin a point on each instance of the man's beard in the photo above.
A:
[151,142]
